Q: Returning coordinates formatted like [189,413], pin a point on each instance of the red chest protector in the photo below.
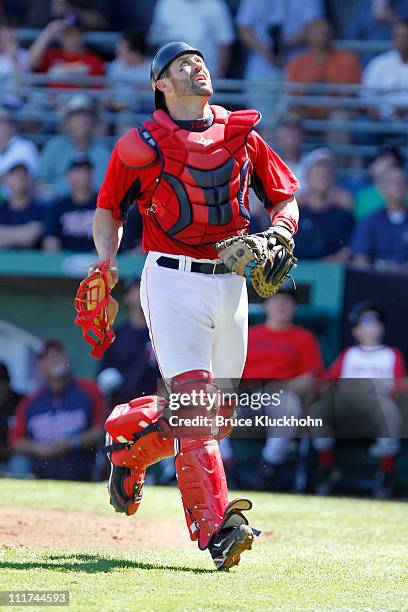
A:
[201,196]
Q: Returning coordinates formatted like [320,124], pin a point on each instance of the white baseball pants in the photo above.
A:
[196,321]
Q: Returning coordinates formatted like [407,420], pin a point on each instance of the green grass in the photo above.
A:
[325,554]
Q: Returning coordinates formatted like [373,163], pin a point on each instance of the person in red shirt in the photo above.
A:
[189,167]
[71,60]
[322,62]
[363,408]
[279,349]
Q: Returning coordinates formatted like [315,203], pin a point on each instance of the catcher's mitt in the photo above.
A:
[265,259]
[97,309]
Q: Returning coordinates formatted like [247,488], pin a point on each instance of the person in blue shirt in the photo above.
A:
[381,239]
[57,428]
[69,222]
[324,225]
[21,215]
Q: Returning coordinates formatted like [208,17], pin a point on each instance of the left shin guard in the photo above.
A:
[203,487]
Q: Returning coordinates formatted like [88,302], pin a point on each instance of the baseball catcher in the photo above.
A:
[188,167]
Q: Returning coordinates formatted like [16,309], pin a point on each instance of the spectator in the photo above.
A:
[8,403]
[69,223]
[94,14]
[14,148]
[71,60]
[386,76]
[131,66]
[381,239]
[338,196]
[375,403]
[270,29]
[290,137]
[13,62]
[374,20]
[57,427]
[21,216]
[370,198]
[80,114]
[130,70]
[129,368]
[204,24]
[322,63]
[279,349]
[324,226]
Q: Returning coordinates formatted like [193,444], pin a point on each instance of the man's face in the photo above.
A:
[290,137]
[18,181]
[382,164]
[189,76]
[394,185]
[319,34]
[400,39]
[320,178]
[72,40]
[54,366]
[80,178]
[280,309]
[80,123]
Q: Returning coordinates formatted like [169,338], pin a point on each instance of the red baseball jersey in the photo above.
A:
[282,353]
[123,185]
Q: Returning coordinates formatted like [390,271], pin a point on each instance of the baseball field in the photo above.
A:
[314,553]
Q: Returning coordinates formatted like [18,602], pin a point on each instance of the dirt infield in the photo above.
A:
[74,530]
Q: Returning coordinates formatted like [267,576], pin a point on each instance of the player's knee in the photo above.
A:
[194,391]
[194,403]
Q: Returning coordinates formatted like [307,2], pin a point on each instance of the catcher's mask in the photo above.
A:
[161,61]
[96,309]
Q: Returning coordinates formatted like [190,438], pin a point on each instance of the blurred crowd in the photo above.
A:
[66,96]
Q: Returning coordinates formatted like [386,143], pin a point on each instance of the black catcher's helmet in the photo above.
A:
[162,60]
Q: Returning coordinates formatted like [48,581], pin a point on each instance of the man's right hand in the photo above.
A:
[113,269]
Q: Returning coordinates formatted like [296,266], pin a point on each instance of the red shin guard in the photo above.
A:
[203,487]
[133,429]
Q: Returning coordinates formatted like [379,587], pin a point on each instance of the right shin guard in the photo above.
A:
[203,487]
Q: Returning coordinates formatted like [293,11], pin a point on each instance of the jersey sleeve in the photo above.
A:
[272,180]
[120,187]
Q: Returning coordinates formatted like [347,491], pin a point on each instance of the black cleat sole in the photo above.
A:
[243,539]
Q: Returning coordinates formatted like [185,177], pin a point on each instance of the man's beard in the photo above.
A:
[184,88]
